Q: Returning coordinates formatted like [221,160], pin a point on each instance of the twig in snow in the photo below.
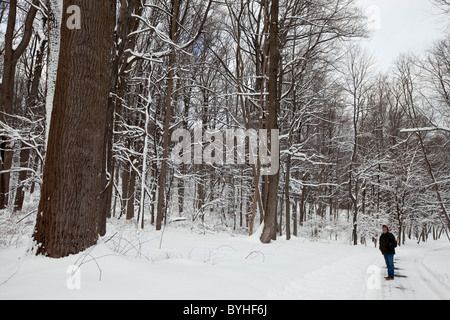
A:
[251,255]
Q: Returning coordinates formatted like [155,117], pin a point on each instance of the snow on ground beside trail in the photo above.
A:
[181,264]
[421,272]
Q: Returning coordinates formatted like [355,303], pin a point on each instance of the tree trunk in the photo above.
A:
[125,25]
[69,208]
[131,195]
[160,208]
[295,219]
[126,173]
[270,223]
[288,198]
[302,204]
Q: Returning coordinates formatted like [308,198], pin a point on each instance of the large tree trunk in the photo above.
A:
[69,209]
[270,224]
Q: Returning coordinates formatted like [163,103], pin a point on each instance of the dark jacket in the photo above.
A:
[387,243]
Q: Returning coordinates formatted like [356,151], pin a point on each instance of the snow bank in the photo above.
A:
[180,264]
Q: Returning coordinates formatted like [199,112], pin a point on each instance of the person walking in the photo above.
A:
[387,247]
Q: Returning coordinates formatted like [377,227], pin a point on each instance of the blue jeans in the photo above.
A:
[389,258]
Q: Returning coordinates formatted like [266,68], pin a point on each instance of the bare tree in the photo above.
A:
[177,17]
[357,77]
[270,211]
[443,5]
[11,57]
[407,76]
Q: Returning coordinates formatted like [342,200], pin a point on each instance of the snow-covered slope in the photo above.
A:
[180,264]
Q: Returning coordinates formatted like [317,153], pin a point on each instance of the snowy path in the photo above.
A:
[421,272]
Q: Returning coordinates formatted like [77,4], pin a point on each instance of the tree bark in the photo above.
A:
[160,209]
[288,198]
[69,208]
[126,24]
[270,223]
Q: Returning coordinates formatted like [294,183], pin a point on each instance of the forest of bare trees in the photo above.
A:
[92,92]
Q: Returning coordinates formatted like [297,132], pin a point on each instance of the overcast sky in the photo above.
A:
[402,26]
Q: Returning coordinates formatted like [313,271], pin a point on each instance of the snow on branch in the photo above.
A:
[424,129]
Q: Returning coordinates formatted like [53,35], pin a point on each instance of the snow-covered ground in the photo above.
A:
[179,264]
